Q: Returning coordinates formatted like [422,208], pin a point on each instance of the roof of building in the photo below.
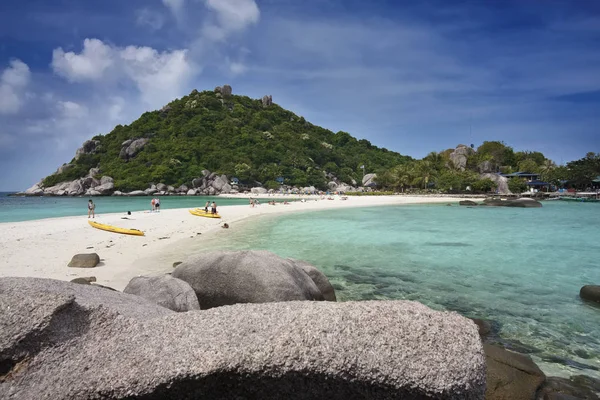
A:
[521,174]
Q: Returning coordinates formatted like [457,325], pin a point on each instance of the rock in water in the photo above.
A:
[84,260]
[590,293]
[318,278]
[467,203]
[222,278]
[166,291]
[511,375]
[58,345]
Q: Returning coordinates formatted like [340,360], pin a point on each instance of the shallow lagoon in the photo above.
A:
[520,268]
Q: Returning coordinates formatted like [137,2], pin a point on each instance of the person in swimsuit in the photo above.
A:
[91,209]
[152,203]
[157,204]
[214,207]
[206,206]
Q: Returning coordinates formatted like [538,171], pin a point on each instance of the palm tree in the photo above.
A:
[547,168]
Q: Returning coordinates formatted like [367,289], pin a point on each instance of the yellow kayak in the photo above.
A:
[115,229]
[199,212]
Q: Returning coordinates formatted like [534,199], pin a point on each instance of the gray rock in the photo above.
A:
[198,183]
[165,291]
[318,278]
[106,179]
[105,188]
[35,190]
[84,280]
[89,260]
[258,190]
[84,342]
[218,89]
[226,188]
[223,277]
[117,193]
[211,191]
[332,185]
[75,188]
[501,182]
[576,388]
[162,187]
[590,293]
[93,172]
[92,192]
[150,192]
[137,193]
[484,327]
[485,167]
[182,189]
[191,192]
[511,375]
[267,100]
[170,189]
[369,180]
[460,155]
[226,91]
[131,148]
[61,193]
[218,183]
[88,147]
[520,203]
[467,203]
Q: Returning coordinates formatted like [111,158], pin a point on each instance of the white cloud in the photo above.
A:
[147,17]
[72,110]
[176,6]
[237,68]
[232,16]
[12,81]
[90,64]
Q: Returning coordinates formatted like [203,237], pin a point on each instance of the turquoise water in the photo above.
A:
[14,209]
[520,268]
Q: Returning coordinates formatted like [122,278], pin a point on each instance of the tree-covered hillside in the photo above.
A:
[252,140]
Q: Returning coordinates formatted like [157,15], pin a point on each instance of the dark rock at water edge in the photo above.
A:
[590,293]
[89,260]
[166,291]
[520,203]
[318,278]
[52,333]
[223,278]
[511,376]
[577,387]
[467,203]
[484,327]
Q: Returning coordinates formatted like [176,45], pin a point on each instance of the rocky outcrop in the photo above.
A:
[258,190]
[165,291]
[467,203]
[89,260]
[130,148]
[521,203]
[224,277]
[501,182]
[460,155]
[590,293]
[267,100]
[369,180]
[485,167]
[35,190]
[511,375]
[83,342]
[88,147]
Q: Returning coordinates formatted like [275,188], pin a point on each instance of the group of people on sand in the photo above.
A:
[254,202]
[213,207]
[155,203]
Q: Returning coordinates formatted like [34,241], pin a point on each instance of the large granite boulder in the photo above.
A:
[222,278]
[35,190]
[165,291]
[267,100]
[460,156]
[83,342]
[106,188]
[137,193]
[258,190]
[467,203]
[318,278]
[511,376]
[130,148]
[485,167]
[106,179]
[369,180]
[75,188]
[86,260]
[590,293]
[501,182]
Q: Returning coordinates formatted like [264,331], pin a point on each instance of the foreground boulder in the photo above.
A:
[318,278]
[89,260]
[223,278]
[590,293]
[58,345]
[165,291]
[511,376]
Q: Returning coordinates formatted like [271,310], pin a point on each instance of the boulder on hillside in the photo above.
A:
[165,291]
[226,277]
[88,147]
[182,189]
[191,192]
[318,278]
[130,148]
[267,100]
[511,375]
[226,91]
[460,155]
[299,350]
[258,190]
[485,167]
[369,180]
[89,260]
[226,188]
[590,293]
[105,188]
[501,182]
[106,179]
[35,190]
[161,187]
[75,188]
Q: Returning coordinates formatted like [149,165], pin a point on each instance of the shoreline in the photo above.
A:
[43,248]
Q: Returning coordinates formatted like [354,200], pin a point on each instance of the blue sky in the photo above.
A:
[410,76]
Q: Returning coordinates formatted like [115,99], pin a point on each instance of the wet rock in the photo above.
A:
[511,376]
[225,277]
[577,387]
[484,327]
[590,293]
[521,203]
[467,203]
[318,278]
[89,260]
[166,291]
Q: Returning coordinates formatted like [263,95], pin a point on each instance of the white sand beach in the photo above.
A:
[43,248]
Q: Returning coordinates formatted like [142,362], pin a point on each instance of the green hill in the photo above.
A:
[241,137]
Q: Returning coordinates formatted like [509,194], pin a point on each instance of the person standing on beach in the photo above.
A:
[157,204]
[214,208]
[91,209]
[152,204]
[206,206]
